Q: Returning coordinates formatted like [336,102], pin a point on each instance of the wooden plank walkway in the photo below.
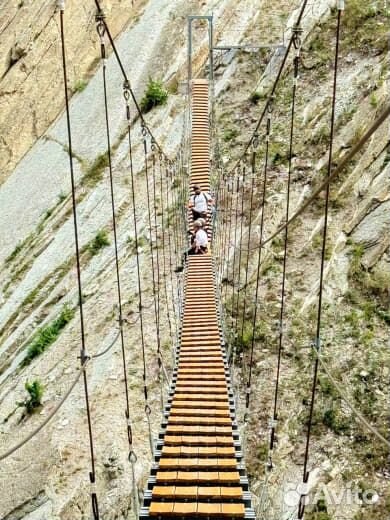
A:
[198,470]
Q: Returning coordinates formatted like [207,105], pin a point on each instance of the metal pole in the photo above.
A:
[189,52]
[211,42]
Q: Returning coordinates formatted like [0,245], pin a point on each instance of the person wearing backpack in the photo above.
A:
[199,203]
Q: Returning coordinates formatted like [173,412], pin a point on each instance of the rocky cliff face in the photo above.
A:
[48,478]
[357,270]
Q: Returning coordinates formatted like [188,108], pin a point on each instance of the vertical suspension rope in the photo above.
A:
[101,30]
[255,144]
[262,205]
[229,232]
[83,352]
[178,231]
[165,286]
[273,423]
[155,288]
[168,178]
[240,251]
[317,341]
[160,359]
[239,170]
[126,94]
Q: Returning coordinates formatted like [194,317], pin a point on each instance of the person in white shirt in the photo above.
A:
[199,203]
[200,239]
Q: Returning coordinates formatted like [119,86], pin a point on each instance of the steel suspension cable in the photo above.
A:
[274,419]
[265,172]
[162,199]
[227,228]
[155,288]
[322,186]
[317,341]
[240,250]
[100,27]
[234,252]
[84,357]
[126,95]
[274,86]
[160,358]
[125,78]
[168,177]
[255,145]
[180,226]
[229,238]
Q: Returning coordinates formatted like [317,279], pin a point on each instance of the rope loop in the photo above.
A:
[126,90]
[296,37]
[153,144]
[148,410]
[132,457]
[100,27]
[255,141]
[270,106]
[144,130]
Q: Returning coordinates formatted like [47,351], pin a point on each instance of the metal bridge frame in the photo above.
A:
[190,19]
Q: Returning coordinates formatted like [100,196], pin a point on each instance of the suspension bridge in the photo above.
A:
[198,468]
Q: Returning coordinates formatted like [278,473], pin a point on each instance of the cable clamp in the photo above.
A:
[317,344]
[92,488]
[100,16]
[272,423]
[84,358]
[269,464]
[126,86]
[61,5]
[270,107]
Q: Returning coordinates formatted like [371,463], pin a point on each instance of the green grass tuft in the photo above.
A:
[94,172]
[80,85]
[155,95]
[35,391]
[48,335]
[100,241]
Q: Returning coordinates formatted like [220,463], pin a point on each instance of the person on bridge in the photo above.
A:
[200,240]
[199,203]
